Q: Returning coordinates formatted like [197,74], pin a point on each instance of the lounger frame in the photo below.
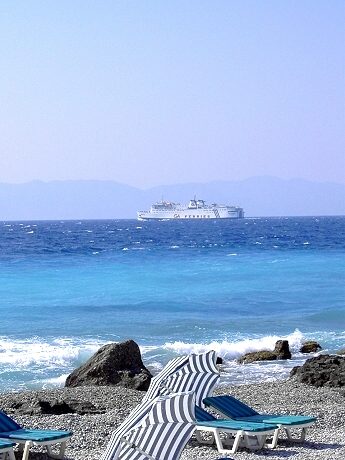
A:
[24,446]
[289,435]
[234,437]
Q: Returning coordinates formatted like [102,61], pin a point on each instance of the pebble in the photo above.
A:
[325,440]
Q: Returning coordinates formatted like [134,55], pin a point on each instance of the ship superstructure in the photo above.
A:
[196,209]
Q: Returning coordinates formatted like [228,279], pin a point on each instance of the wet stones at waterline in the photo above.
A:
[311,346]
[281,351]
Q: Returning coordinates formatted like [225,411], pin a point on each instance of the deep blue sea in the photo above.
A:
[175,287]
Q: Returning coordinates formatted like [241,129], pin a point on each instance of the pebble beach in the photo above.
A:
[326,440]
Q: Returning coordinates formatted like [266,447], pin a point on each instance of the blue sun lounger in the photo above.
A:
[235,433]
[11,431]
[232,408]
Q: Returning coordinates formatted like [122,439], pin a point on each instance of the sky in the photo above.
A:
[147,92]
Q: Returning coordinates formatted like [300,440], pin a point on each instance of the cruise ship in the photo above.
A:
[196,209]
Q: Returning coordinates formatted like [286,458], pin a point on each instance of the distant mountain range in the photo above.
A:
[259,196]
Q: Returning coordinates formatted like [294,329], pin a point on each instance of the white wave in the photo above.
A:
[148,348]
[38,353]
[233,350]
[54,382]
[265,371]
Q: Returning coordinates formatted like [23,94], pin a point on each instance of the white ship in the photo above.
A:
[196,209]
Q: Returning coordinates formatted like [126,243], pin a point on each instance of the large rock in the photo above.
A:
[320,371]
[113,364]
[257,356]
[281,351]
[311,346]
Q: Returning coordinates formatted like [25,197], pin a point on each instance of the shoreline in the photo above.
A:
[325,440]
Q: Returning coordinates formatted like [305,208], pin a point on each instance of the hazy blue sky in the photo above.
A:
[158,92]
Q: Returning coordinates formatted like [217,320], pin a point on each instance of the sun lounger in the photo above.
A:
[6,449]
[11,431]
[231,433]
[234,409]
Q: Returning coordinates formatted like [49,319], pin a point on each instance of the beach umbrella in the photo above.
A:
[156,430]
[198,373]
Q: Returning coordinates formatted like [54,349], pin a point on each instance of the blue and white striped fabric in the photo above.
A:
[198,373]
[157,429]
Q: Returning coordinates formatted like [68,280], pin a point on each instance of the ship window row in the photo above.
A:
[195,217]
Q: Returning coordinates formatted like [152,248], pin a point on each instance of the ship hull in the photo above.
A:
[192,214]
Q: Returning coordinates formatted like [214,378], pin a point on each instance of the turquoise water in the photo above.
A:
[67,288]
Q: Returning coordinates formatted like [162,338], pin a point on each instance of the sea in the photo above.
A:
[174,287]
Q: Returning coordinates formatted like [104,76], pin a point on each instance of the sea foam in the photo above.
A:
[34,352]
[231,350]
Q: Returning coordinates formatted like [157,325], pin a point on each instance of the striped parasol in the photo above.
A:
[156,430]
[198,373]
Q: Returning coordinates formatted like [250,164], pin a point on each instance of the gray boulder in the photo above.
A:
[282,349]
[322,371]
[257,356]
[113,364]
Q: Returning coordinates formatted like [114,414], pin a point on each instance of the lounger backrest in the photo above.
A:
[202,416]
[230,406]
[7,423]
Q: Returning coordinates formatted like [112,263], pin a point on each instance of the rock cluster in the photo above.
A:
[320,371]
[113,364]
[39,405]
[281,351]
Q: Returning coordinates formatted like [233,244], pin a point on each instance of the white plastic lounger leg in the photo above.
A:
[274,442]
[300,439]
[235,445]
[26,450]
